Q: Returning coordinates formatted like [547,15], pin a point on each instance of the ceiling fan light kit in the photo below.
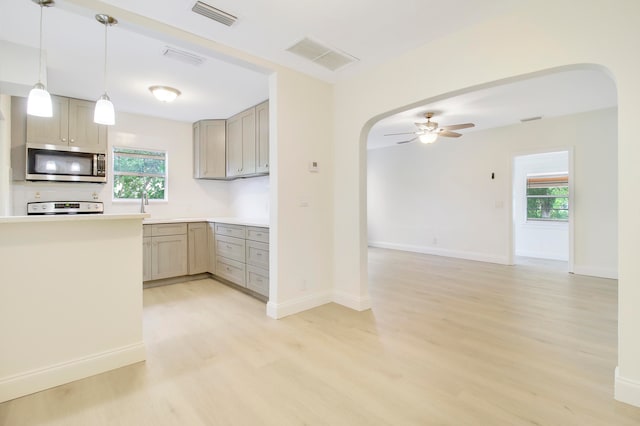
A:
[428,137]
[428,132]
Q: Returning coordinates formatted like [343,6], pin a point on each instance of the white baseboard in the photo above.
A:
[458,254]
[542,255]
[594,271]
[290,307]
[627,390]
[351,301]
[65,372]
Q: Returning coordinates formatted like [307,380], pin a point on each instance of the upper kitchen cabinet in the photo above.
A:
[71,125]
[209,139]
[262,138]
[234,148]
[241,143]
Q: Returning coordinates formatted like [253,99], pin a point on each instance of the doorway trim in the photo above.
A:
[571,225]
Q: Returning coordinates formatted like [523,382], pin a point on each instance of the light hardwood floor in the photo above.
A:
[448,342]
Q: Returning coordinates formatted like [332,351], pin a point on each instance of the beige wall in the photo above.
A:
[543,36]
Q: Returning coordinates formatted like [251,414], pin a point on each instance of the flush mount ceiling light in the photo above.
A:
[104,112]
[164,93]
[39,101]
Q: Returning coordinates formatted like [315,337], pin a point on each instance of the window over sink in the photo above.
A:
[139,170]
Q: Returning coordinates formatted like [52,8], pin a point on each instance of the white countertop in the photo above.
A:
[264,223]
[71,217]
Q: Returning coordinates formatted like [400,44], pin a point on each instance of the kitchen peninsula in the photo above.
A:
[70,298]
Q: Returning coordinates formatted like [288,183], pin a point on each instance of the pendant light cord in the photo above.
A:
[40,56]
[105,56]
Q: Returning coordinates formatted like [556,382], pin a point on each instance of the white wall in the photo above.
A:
[187,197]
[249,198]
[513,46]
[440,198]
[544,240]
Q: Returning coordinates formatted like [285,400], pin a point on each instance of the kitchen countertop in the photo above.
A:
[71,217]
[264,223]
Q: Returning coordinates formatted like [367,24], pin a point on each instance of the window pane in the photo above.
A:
[138,165]
[548,208]
[133,186]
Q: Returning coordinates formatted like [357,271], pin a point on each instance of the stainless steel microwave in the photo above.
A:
[61,164]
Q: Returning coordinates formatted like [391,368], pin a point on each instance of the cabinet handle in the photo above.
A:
[64,139]
[229,247]
[258,254]
[266,165]
[72,140]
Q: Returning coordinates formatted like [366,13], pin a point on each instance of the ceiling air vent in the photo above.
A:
[213,13]
[182,56]
[322,55]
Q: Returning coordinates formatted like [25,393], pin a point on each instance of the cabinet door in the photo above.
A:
[241,144]
[198,248]
[50,130]
[257,279]
[169,256]
[209,158]
[231,270]
[257,254]
[146,258]
[262,138]
[83,132]
[230,247]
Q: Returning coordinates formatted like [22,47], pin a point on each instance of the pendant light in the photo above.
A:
[39,101]
[104,113]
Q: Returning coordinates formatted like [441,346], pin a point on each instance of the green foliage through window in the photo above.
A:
[548,197]
[136,171]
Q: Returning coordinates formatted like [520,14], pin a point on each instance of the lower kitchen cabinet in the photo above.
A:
[168,256]
[235,253]
[198,253]
[242,256]
[164,251]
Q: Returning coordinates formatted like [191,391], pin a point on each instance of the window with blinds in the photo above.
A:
[548,197]
[136,171]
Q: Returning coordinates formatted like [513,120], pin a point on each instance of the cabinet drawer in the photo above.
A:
[231,270]
[258,234]
[257,254]
[168,229]
[146,230]
[230,247]
[229,230]
[258,280]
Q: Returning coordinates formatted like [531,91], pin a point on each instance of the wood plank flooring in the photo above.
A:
[448,342]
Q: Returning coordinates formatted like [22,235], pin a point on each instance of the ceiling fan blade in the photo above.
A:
[396,134]
[449,134]
[410,140]
[458,126]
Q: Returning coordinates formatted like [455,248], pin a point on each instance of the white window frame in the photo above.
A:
[547,222]
[114,173]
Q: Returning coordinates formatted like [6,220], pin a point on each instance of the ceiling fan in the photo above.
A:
[428,132]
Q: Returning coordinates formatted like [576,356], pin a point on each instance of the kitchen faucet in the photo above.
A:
[144,201]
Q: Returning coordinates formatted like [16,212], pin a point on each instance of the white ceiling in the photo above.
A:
[552,95]
[374,32]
